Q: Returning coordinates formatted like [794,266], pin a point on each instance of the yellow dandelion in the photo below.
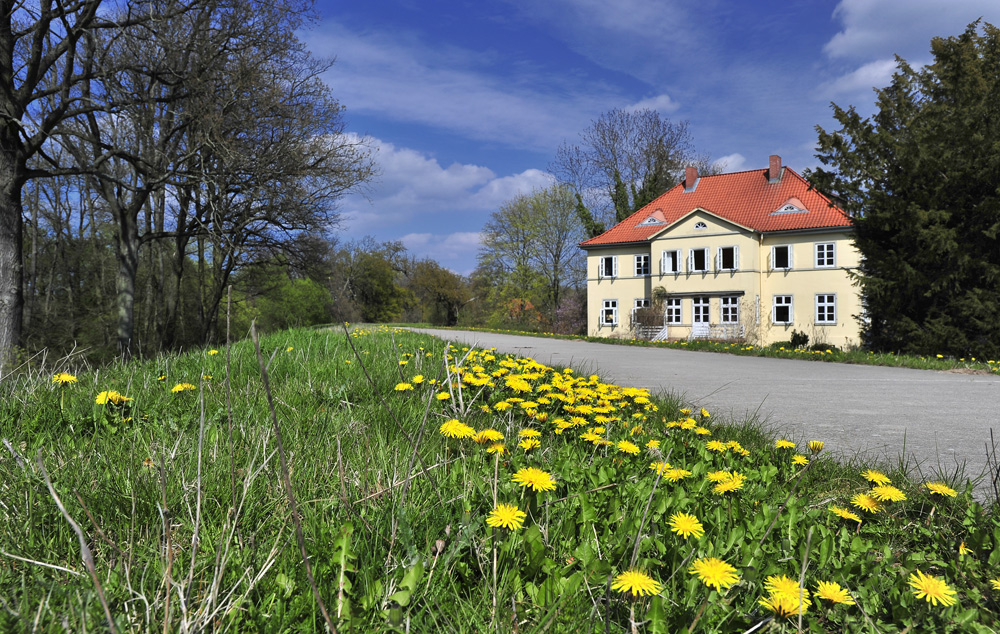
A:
[659,466]
[529,443]
[876,477]
[714,572]
[402,387]
[213,352]
[846,514]
[675,474]
[933,589]
[455,429]
[785,605]
[963,551]
[866,503]
[734,483]
[718,476]
[636,583]
[529,433]
[63,378]
[289,348]
[995,583]
[704,413]
[686,525]
[816,446]
[442,396]
[417,380]
[537,479]
[702,431]
[653,444]
[181,387]
[800,460]
[716,445]
[784,444]
[783,584]
[498,448]
[488,435]
[940,488]
[506,516]
[625,446]
[111,396]
[832,591]
[887,493]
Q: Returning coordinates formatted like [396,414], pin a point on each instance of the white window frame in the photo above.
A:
[773,257]
[609,305]
[826,303]
[732,303]
[736,259]
[676,268]
[691,253]
[642,266]
[825,254]
[602,266]
[782,300]
[673,312]
[701,301]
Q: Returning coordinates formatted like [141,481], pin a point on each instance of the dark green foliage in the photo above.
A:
[375,290]
[920,180]
[592,227]
[441,293]
[623,208]
[799,339]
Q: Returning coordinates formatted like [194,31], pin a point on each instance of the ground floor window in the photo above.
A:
[731,309]
[700,310]
[609,313]
[674,311]
[826,309]
[781,310]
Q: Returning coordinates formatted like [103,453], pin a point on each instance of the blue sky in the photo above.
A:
[465,103]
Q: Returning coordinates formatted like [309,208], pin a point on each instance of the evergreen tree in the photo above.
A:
[592,227]
[920,178]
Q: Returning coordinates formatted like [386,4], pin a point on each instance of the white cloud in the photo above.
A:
[730,163]
[456,251]
[880,28]
[662,103]
[875,74]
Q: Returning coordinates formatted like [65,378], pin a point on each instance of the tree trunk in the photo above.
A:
[11,225]
[127,252]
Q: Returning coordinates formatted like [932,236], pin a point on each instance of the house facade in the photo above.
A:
[744,256]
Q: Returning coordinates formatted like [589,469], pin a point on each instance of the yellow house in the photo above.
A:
[744,256]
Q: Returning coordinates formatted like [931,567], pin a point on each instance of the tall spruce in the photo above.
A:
[920,179]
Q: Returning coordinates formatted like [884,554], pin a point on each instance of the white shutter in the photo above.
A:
[718,259]
[736,258]
[770,260]
[614,268]
[600,268]
[690,260]
[790,264]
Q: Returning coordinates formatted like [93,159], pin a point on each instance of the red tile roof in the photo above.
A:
[745,198]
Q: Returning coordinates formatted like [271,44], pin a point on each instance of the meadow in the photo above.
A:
[382,480]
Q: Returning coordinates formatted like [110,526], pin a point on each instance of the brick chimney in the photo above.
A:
[690,177]
[774,168]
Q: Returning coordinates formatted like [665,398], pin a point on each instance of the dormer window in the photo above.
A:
[792,206]
[700,225]
[650,221]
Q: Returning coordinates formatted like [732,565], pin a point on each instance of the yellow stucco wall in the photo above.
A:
[754,281]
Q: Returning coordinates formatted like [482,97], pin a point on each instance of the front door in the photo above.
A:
[699,322]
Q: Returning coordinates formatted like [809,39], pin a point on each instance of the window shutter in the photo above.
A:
[736,258]
[718,259]
[789,256]
[690,260]
[614,266]
[770,260]
[600,268]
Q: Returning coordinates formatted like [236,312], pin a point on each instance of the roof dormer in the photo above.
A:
[791,206]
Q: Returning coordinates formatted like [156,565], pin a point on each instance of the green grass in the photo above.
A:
[179,497]
[783,351]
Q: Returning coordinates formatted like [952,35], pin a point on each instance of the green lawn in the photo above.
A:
[606,509]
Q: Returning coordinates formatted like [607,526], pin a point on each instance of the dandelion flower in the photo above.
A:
[402,387]
[62,378]
[866,503]
[783,584]
[676,474]
[653,444]
[113,397]
[876,477]
[529,443]
[630,448]
[213,352]
[716,445]
[995,583]
[537,479]
[637,583]
[442,396]
[506,516]
[659,466]
[704,413]
[940,488]
[888,493]
[784,444]
[417,380]
[488,435]
[933,589]
[702,431]
[786,605]
[718,476]
[498,448]
[816,446]
[686,525]
[714,572]
[455,429]
[734,483]
[963,551]
[846,514]
[529,433]
[800,460]
[181,387]
[832,591]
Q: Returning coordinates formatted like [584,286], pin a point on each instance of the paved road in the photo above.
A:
[943,418]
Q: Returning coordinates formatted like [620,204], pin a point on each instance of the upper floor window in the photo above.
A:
[700,225]
[727,259]
[697,260]
[641,265]
[781,256]
[671,262]
[607,266]
[824,254]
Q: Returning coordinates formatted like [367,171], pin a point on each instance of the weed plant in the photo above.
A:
[448,489]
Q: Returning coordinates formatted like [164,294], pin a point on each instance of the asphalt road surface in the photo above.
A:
[941,420]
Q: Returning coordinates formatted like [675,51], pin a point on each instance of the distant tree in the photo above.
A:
[625,159]
[920,180]
[440,292]
[531,242]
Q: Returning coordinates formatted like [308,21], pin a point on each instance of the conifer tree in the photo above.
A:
[920,178]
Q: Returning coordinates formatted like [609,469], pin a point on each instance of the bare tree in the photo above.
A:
[624,160]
